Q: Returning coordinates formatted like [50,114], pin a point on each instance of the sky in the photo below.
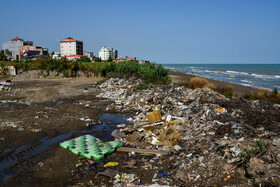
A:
[162,31]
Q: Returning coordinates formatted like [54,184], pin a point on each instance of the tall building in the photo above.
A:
[13,46]
[69,46]
[106,52]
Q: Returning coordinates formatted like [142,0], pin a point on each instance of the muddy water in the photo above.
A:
[19,158]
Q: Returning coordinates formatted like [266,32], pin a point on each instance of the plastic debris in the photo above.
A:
[90,147]
[111,164]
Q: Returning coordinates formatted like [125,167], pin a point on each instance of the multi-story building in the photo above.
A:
[115,53]
[89,55]
[30,51]
[13,46]
[130,58]
[106,52]
[69,46]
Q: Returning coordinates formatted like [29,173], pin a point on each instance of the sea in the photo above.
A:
[256,75]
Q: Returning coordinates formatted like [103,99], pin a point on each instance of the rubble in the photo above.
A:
[211,139]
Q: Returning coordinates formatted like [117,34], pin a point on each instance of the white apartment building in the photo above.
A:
[106,52]
[69,46]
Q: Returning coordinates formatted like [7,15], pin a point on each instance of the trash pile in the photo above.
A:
[209,139]
[5,85]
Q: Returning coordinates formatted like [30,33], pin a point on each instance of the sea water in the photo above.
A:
[257,75]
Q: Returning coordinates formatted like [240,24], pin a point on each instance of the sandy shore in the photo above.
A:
[238,89]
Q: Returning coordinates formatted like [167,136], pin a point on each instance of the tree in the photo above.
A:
[5,54]
[97,59]
[110,59]
[85,59]
[8,53]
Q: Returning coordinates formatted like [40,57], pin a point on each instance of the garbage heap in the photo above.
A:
[210,139]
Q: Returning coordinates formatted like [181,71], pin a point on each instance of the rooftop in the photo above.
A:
[17,39]
[75,56]
[69,39]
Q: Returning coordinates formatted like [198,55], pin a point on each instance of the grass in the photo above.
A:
[248,154]
[199,82]
[265,95]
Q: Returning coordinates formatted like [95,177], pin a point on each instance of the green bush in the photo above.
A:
[248,154]
[275,91]
[151,72]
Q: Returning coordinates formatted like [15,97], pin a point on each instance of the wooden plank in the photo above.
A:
[143,151]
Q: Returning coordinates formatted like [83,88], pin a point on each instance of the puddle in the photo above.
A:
[59,102]
[20,157]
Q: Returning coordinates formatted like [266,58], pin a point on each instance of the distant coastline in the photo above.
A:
[257,76]
[238,89]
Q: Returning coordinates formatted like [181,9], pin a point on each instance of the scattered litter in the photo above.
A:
[111,164]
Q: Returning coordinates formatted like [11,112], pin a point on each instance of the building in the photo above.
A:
[69,46]
[144,61]
[89,55]
[56,55]
[106,52]
[13,46]
[127,58]
[25,52]
[115,53]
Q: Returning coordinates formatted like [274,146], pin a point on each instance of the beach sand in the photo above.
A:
[238,89]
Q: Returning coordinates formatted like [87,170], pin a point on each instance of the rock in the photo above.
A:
[276,142]
[222,143]
[226,167]
[177,148]
[79,164]
[241,139]
[109,173]
[202,165]
[118,134]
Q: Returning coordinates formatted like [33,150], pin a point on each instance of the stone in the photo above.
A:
[276,142]
[177,148]
[118,134]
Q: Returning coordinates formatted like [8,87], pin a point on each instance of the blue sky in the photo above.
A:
[163,31]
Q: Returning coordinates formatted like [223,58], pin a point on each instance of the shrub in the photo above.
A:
[198,82]
[261,93]
[248,154]
[211,86]
[153,73]
[2,69]
[275,91]
[184,84]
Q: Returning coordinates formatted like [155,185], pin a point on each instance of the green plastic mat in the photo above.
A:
[90,147]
